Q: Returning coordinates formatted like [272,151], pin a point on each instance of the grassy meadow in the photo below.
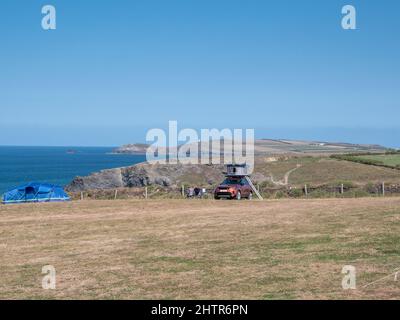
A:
[392,160]
[324,170]
[201,249]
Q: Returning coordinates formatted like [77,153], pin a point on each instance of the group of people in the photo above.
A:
[196,192]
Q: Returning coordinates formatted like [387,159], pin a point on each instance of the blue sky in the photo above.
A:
[114,69]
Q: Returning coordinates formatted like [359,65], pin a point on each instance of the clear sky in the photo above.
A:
[114,69]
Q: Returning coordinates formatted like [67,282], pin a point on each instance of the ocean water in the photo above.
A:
[19,165]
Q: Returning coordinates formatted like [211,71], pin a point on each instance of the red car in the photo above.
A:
[234,188]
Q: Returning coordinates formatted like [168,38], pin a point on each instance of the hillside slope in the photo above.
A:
[284,170]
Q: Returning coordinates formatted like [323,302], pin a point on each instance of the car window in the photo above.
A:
[230,181]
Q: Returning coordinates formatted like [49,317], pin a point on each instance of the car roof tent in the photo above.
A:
[240,170]
[35,192]
[236,170]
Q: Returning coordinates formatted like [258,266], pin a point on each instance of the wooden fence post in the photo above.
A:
[183,191]
[305,190]
[115,194]
[81,195]
[145,192]
[383,188]
[342,189]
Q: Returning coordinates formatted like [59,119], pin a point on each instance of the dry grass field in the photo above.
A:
[195,249]
[321,170]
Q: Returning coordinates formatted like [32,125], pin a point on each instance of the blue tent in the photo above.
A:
[35,192]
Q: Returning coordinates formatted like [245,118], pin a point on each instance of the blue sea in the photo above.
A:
[57,165]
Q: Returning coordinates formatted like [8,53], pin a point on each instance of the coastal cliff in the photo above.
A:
[275,160]
[144,174]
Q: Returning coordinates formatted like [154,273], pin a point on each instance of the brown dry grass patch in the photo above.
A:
[182,249]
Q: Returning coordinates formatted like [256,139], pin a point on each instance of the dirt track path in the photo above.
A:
[285,180]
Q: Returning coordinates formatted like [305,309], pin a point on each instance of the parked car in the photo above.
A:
[234,188]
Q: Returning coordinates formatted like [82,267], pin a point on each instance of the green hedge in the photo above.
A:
[355,157]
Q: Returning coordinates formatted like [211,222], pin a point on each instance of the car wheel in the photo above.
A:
[238,196]
[250,196]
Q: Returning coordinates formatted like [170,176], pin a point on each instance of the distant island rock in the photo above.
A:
[136,148]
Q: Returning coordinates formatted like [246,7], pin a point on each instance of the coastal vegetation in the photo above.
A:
[289,176]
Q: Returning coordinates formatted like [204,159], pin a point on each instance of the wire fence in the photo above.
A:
[344,190]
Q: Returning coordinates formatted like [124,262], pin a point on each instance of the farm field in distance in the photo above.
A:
[324,170]
[386,159]
[201,249]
